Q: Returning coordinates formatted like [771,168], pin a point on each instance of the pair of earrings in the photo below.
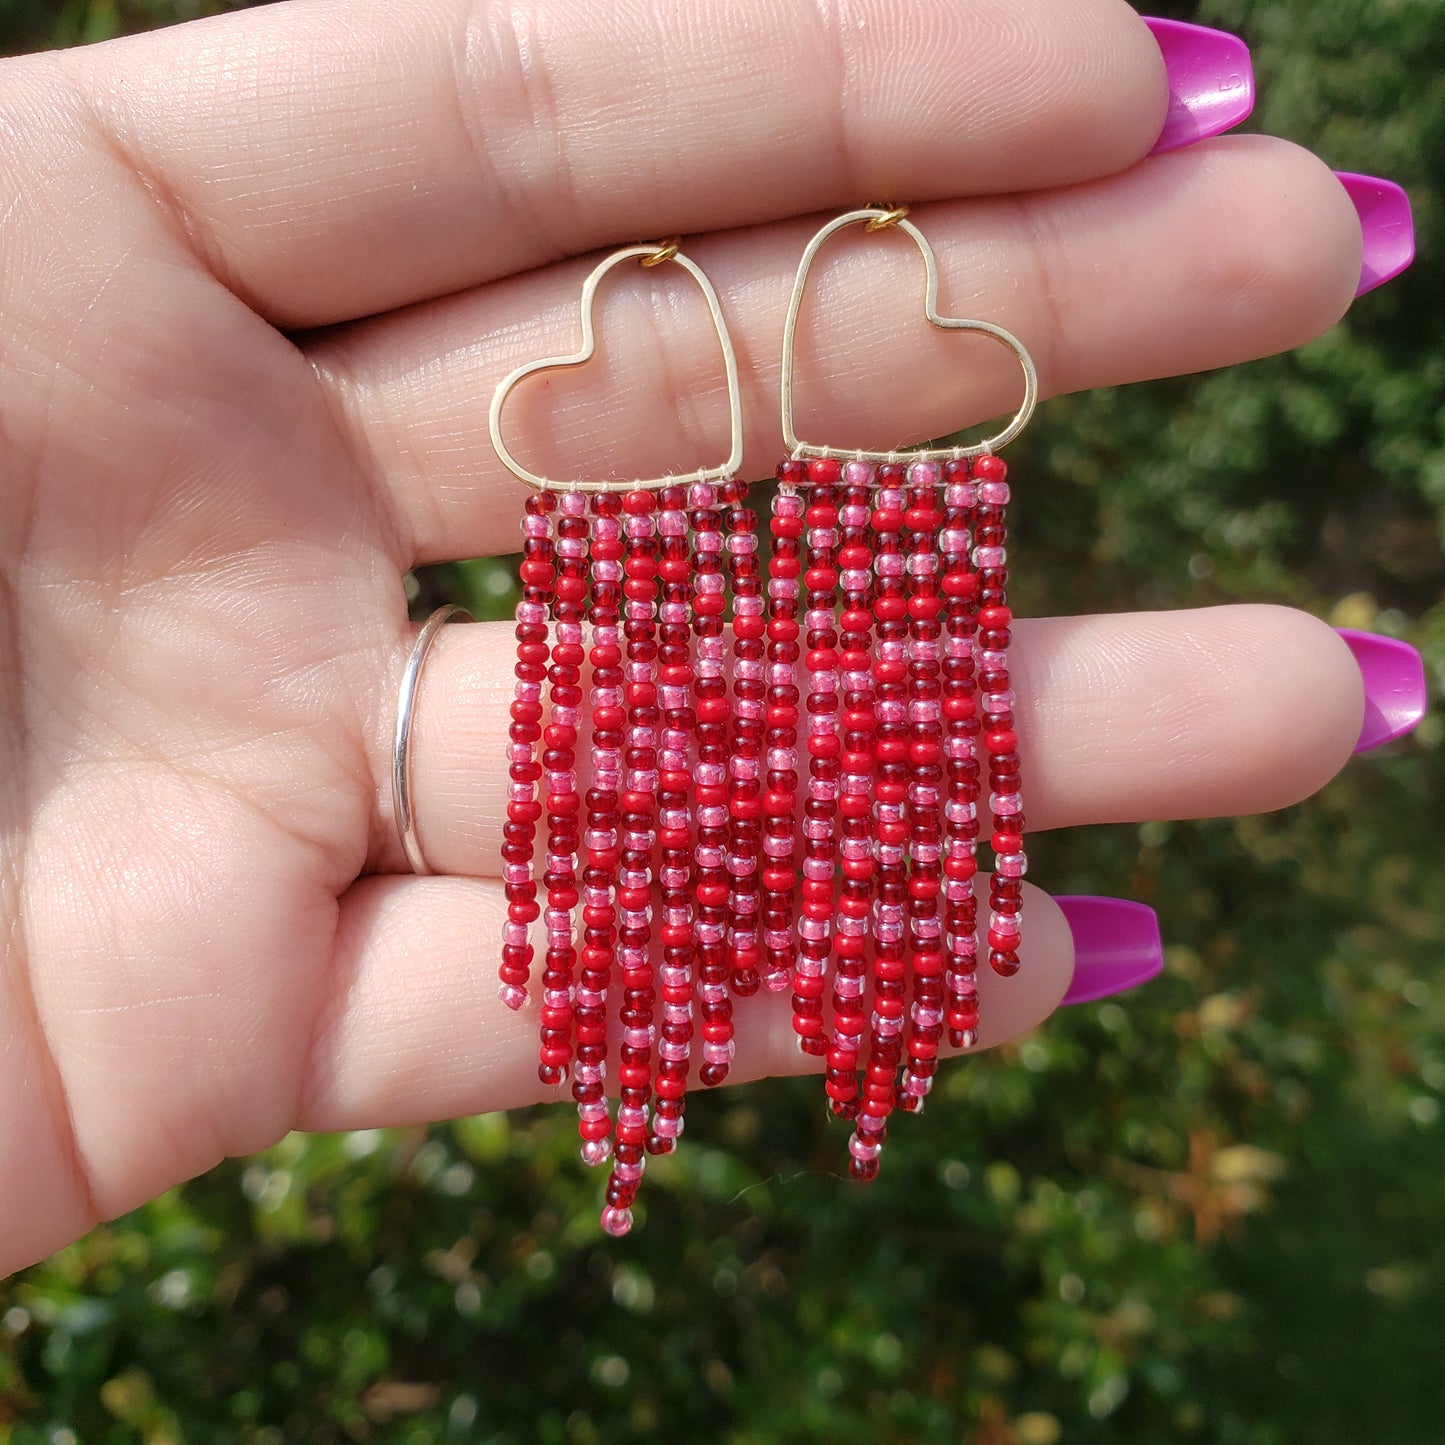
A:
[686,862]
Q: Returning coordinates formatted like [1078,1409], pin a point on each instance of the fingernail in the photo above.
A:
[1116,945]
[1211,81]
[1385,224]
[1395,693]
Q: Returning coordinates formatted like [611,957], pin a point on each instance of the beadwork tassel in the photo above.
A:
[559,769]
[602,838]
[780,722]
[674,828]
[684,854]
[710,791]
[538,577]
[920,669]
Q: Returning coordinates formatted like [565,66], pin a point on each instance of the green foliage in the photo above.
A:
[1213,1210]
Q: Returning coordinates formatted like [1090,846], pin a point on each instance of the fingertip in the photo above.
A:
[1305,716]
[1283,261]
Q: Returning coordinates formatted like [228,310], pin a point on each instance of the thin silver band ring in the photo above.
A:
[401,739]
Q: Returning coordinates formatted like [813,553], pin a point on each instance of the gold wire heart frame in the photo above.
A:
[878,218]
[646,255]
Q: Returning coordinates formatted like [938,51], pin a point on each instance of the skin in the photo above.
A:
[262,274]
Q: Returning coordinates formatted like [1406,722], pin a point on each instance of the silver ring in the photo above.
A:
[401,738]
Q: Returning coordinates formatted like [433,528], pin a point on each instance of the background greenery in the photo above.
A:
[1212,1210]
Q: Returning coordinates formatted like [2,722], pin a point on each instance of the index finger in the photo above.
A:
[332,160]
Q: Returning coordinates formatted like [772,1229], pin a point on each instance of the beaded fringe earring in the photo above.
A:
[906,631]
[632,579]
[886,581]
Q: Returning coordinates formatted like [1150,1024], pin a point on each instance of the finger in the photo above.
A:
[1216,254]
[414,1030]
[1121,718]
[333,160]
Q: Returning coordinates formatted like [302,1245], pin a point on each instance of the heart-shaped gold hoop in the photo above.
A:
[878,218]
[647,255]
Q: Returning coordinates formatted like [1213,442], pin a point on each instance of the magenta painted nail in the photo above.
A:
[1116,945]
[1211,81]
[1386,225]
[1395,694]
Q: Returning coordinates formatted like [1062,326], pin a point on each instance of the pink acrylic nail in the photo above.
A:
[1116,945]
[1211,81]
[1386,225]
[1396,697]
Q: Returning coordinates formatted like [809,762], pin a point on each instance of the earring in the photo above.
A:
[629,577]
[906,658]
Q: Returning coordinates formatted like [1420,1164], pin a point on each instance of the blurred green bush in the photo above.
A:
[1213,1210]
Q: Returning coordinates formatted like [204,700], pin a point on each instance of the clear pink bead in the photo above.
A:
[616,1222]
[595,1152]
[512,996]
[861,1149]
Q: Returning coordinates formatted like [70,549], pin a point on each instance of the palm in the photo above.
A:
[208,602]
[205,524]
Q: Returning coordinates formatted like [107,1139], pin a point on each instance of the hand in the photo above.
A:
[261,276]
